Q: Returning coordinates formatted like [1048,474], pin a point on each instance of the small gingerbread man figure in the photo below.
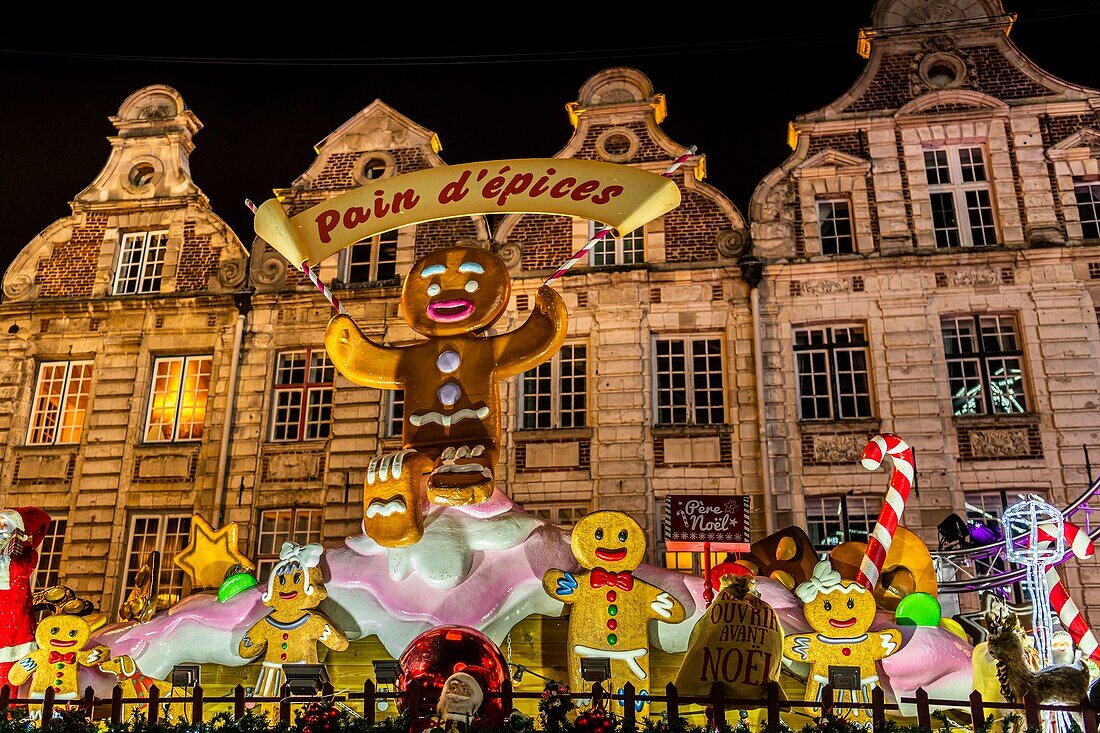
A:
[451,423]
[611,608]
[61,653]
[291,632]
[841,613]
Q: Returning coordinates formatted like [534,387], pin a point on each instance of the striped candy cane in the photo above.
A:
[902,480]
[580,253]
[1080,544]
[308,272]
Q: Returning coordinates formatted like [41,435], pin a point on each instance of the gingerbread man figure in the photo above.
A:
[291,632]
[841,613]
[611,608]
[451,424]
[61,652]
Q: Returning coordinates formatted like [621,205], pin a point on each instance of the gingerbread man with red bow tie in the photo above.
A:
[62,641]
[611,607]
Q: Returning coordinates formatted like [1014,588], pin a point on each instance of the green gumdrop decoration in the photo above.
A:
[918,609]
[234,585]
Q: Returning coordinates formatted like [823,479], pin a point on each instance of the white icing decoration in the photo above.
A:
[663,605]
[447,361]
[434,289]
[471,286]
[448,420]
[449,393]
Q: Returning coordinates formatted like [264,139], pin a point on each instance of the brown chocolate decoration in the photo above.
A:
[787,556]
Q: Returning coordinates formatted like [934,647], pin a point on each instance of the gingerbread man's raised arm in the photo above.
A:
[358,358]
[538,339]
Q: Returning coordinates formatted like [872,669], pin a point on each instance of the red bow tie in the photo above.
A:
[600,578]
[56,657]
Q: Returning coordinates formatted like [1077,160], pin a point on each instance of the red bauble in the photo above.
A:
[438,653]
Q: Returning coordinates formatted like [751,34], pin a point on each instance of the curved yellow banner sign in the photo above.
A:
[618,195]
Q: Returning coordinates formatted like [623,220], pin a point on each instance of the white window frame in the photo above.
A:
[832,203]
[265,561]
[615,248]
[166,564]
[958,189]
[557,413]
[844,514]
[185,361]
[63,409]
[555,513]
[688,377]
[983,360]
[48,572]
[394,425]
[147,266]
[1093,188]
[375,243]
[305,391]
[832,349]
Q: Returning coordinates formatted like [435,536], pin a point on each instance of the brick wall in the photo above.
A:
[691,230]
[1000,78]
[69,271]
[339,171]
[648,150]
[846,142]
[546,240]
[198,260]
[433,235]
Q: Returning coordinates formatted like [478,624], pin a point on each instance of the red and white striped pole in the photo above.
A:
[902,479]
[604,231]
[308,271]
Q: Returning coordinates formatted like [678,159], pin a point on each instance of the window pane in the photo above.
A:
[359,257]
[935,166]
[574,395]
[604,252]
[1088,209]
[813,385]
[156,244]
[49,555]
[672,397]
[300,525]
[959,336]
[168,535]
[395,424]
[980,214]
[1006,385]
[537,397]
[288,414]
[707,377]
[853,384]
[164,399]
[291,369]
[387,256]
[633,247]
[835,221]
[46,407]
[944,222]
[193,395]
[972,165]
[963,376]
[824,521]
[77,391]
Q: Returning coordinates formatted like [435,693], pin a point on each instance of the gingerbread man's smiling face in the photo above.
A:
[63,633]
[455,290]
[845,611]
[609,540]
[296,589]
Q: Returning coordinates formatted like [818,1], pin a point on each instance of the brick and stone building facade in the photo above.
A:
[929,254]
[119,325]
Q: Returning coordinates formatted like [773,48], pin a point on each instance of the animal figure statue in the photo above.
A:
[1066,684]
[136,685]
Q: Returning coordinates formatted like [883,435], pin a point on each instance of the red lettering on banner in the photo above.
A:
[581,192]
[380,207]
[456,190]
[518,184]
[326,222]
[607,194]
[406,198]
[540,186]
[355,216]
[561,188]
[492,188]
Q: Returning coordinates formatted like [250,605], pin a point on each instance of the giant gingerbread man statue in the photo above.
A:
[451,427]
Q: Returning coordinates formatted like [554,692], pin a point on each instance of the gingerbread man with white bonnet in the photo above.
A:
[840,612]
[291,632]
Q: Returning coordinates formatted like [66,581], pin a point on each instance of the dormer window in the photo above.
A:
[959,192]
[834,220]
[140,261]
[628,249]
[372,260]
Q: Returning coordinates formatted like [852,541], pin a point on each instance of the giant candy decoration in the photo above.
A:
[737,645]
[62,651]
[451,426]
[449,654]
[21,532]
[611,607]
[840,612]
[902,479]
[289,634]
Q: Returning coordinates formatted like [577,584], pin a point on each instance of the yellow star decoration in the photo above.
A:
[210,553]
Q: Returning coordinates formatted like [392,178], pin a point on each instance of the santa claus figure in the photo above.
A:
[460,700]
[21,532]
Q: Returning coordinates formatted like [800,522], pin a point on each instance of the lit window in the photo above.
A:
[984,365]
[958,190]
[177,399]
[984,506]
[303,395]
[689,382]
[554,394]
[1088,208]
[831,520]
[395,413]
[372,260]
[49,555]
[628,249]
[301,526]
[833,379]
[562,516]
[140,261]
[60,402]
[834,218]
[168,535]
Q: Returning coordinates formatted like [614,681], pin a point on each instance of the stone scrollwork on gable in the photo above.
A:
[270,267]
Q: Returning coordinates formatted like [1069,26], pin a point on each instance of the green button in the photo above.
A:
[612,639]
[612,610]
[284,645]
[61,666]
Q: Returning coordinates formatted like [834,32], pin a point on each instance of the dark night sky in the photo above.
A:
[732,82]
